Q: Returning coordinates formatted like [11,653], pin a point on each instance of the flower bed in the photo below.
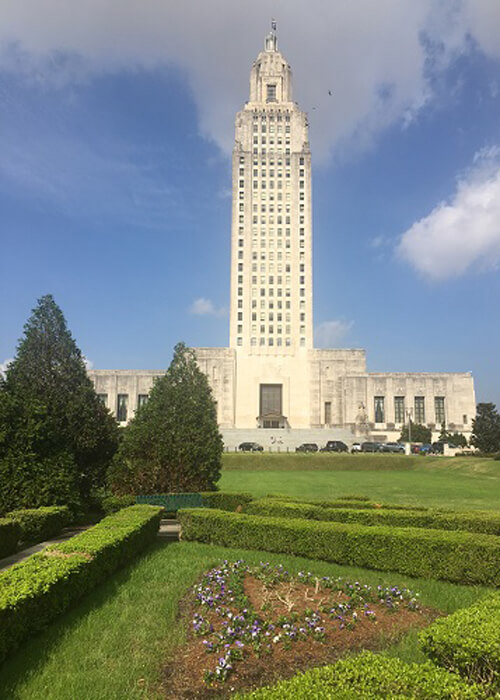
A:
[460,557]
[35,591]
[487,523]
[260,622]
[369,676]
[468,642]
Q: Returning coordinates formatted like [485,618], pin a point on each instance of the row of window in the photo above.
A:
[122,404]
[270,342]
[415,412]
[271,116]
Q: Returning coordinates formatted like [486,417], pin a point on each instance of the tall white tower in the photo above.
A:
[271,270]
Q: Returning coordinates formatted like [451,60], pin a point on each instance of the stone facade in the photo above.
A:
[271,380]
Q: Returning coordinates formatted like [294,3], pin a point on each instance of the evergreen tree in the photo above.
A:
[173,443]
[486,428]
[419,433]
[56,437]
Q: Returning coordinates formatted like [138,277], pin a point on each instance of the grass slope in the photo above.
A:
[461,483]
[115,643]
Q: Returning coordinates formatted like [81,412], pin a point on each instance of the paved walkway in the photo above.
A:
[169,530]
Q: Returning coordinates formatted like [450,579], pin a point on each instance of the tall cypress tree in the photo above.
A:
[486,428]
[56,438]
[173,443]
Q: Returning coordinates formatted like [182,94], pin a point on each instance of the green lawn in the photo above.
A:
[116,642]
[455,482]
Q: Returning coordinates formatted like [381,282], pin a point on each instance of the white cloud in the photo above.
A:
[88,363]
[329,334]
[376,58]
[4,365]
[205,307]
[463,233]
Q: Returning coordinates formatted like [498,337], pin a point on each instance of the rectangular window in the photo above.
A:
[420,409]
[103,398]
[379,402]
[142,400]
[271,400]
[328,412]
[271,92]
[399,409]
[439,409]
[121,407]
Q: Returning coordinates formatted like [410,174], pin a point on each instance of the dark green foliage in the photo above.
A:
[38,589]
[461,557]
[370,676]
[56,437]
[468,642]
[475,521]
[419,433]
[226,501]
[486,428]
[112,504]
[173,442]
[10,533]
[171,502]
[38,524]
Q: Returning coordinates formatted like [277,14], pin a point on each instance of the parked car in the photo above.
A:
[425,449]
[370,447]
[250,447]
[334,446]
[392,447]
[307,447]
[355,447]
[438,447]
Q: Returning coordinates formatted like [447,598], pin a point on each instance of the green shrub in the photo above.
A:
[35,591]
[225,501]
[112,504]
[347,502]
[38,524]
[10,532]
[461,557]
[475,521]
[468,642]
[368,676]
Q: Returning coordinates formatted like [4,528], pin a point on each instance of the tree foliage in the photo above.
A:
[173,443]
[56,437]
[486,428]
[418,433]
[456,439]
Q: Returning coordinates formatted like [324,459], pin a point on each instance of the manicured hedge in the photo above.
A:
[485,522]
[225,501]
[38,524]
[462,557]
[357,502]
[468,642]
[112,504]
[10,533]
[35,591]
[369,676]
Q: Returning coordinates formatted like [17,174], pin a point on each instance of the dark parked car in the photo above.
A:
[307,447]
[250,447]
[370,447]
[392,447]
[334,446]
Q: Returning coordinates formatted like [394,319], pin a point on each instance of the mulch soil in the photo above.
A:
[184,675]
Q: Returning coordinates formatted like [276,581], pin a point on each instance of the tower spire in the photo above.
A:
[271,43]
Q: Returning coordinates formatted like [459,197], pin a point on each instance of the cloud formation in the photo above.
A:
[378,59]
[330,334]
[205,307]
[4,365]
[463,233]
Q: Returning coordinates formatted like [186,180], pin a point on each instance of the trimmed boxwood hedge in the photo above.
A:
[461,557]
[225,501]
[468,642]
[112,504]
[10,532]
[38,589]
[476,521]
[369,676]
[358,502]
[38,524]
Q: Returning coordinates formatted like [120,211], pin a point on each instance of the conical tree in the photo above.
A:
[173,443]
[56,437]
[486,428]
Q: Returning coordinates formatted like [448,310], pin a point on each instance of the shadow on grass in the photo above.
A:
[34,653]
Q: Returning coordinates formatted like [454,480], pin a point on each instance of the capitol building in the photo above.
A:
[271,385]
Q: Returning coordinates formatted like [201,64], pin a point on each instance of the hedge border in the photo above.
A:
[477,521]
[10,533]
[460,557]
[38,524]
[38,589]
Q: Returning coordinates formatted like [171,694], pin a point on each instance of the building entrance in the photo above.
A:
[271,406]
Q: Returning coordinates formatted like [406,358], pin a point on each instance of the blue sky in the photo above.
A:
[116,127]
